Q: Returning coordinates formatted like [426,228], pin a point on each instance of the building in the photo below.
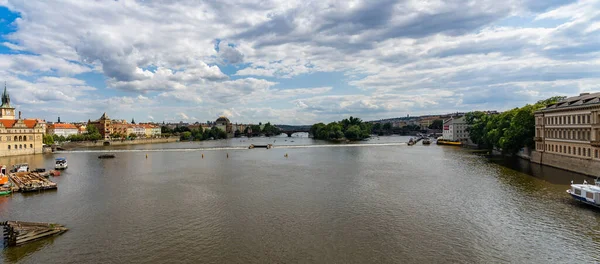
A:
[62,129]
[455,129]
[567,134]
[104,126]
[18,136]
[150,131]
[224,124]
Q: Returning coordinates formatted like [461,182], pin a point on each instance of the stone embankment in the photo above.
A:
[102,143]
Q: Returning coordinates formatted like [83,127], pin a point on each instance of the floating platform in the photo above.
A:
[268,146]
[30,182]
[17,233]
[106,156]
[447,142]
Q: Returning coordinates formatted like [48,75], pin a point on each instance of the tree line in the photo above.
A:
[352,128]
[508,131]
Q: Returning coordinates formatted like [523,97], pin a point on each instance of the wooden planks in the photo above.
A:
[16,233]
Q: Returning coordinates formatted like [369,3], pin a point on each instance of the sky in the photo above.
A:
[292,62]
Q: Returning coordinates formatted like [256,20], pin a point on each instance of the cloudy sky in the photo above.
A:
[293,62]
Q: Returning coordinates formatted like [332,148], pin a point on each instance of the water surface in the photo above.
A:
[380,202]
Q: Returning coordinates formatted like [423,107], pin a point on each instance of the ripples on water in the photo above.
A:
[379,202]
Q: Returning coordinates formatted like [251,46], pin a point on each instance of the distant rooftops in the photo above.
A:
[582,100]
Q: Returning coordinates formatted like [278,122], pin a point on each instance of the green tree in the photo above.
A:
[387,126]
[436,124]
[376,128]
[353,132]
[187,135]
[48,139]
[132,135]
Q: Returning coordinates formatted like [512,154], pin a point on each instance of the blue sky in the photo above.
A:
[292,62]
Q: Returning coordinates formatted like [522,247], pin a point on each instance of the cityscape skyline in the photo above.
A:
[296,63]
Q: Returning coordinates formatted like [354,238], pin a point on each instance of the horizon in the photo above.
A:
[294,63]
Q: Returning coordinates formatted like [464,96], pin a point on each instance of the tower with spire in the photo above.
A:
[6,111]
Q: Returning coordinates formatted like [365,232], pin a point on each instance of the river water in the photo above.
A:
[378,201]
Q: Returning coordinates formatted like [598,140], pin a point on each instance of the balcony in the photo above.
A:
[537,138]
[595,143]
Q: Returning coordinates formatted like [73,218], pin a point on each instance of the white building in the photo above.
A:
[455,129]
[62,129]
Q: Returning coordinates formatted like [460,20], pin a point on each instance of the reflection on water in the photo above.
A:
[381,202]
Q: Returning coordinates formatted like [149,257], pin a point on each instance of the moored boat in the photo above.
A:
[448,142]
[586,193]
[106,156]
[426,141]
[61,164]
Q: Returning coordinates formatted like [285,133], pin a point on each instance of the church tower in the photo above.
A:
[6,111]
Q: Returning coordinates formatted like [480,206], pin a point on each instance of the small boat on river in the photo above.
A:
[106,156]
[586,193]
[61,164]
[426,141]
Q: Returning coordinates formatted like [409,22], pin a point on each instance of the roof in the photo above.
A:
[62,126]
[29,123]
[223,119]
[583,99]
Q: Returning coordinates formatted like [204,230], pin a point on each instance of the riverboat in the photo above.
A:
[61,164]
[586,193]
[448,142]
[106,156]
[411,142]
[426,141]
[23,167]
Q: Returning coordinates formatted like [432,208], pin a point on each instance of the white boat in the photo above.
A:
[23,167]
[61,164]
[586,193]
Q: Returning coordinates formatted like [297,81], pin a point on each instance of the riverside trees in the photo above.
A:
[352,129]
[509,131]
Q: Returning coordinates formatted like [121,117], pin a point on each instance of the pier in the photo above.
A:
[16,233]
[30,181]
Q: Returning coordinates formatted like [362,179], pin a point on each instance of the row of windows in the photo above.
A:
[573,134]
[568,120]
[21,146]
[578,151]
[17,138]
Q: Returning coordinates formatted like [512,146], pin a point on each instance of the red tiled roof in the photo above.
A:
[63,126]
[8,123]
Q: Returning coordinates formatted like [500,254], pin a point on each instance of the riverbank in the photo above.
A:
[100,143]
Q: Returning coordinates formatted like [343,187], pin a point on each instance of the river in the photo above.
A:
[378,201]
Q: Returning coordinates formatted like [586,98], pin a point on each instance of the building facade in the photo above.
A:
[18,136]
[62,129]
[104,126]
[567,134]
[455,129]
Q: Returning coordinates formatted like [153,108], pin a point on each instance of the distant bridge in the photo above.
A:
[290,130]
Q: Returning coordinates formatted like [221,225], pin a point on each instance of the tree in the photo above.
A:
[165,130]
[353,132]
[387,126]
[376,128]
[351,129]
[436,124]
[132,135]
[48,139]
[270,130]
[187,135]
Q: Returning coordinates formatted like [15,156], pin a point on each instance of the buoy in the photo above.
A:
[146,155]
[286,155]
[202,155]
[227,155]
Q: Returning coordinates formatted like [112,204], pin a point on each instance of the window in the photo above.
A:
[578,119]
[589,195]
[579,151]
[560,149]
[578,134]
[595,153]
[21,146]
[589,152]
[569,149]
[587,119]
[577,191]
[596,150]
[31,145]
[24,146]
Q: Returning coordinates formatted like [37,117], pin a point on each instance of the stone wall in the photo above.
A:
[580,165]
[101,143]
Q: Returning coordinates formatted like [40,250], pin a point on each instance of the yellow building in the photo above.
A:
[18,136]
[567,134]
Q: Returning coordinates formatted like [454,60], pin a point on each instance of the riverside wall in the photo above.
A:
[580,165]
[103,143]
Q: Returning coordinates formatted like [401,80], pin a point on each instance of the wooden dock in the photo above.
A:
[30,182]
[17,233]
